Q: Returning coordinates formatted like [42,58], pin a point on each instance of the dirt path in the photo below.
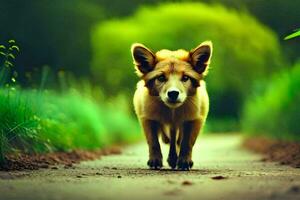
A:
[126,176]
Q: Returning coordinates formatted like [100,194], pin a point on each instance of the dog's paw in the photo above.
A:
[155,163]
[184,164]
[172,161]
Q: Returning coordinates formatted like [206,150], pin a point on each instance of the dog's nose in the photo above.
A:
[173,95]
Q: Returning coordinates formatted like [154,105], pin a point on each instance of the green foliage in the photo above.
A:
[274,110]
[280,16]
[271,14]
[56,33]
[41,121]
[33,121]
[244,50]
[293,35]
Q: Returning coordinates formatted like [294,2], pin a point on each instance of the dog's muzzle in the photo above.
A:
[173,96]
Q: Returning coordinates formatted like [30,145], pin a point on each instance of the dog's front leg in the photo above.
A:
[151,130]
[190,131]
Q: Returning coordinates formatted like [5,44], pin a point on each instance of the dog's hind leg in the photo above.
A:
[164,136]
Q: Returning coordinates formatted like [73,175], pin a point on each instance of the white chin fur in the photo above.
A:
[172,105]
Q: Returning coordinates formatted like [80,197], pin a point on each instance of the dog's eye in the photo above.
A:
[185,78]
[161,78]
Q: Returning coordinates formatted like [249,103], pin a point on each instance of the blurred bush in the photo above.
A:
[274,110]
[41,121]
[272,14]
[244,50]
[281,16]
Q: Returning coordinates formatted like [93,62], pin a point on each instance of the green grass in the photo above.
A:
[33,121]
[274,111]
[39,121]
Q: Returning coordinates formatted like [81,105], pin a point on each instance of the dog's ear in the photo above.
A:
[144,59]
[200,57]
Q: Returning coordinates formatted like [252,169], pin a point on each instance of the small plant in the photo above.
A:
[8,77]
[7,56]
[293,35]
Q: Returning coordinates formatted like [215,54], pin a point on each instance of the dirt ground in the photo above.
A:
[51,160]
[222,170]
[283,152]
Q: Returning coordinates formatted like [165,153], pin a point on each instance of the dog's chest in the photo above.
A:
[166,115]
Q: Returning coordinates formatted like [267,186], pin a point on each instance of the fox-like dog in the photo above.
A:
[171,100]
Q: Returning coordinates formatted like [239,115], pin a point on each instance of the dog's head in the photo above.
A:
[172,75]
